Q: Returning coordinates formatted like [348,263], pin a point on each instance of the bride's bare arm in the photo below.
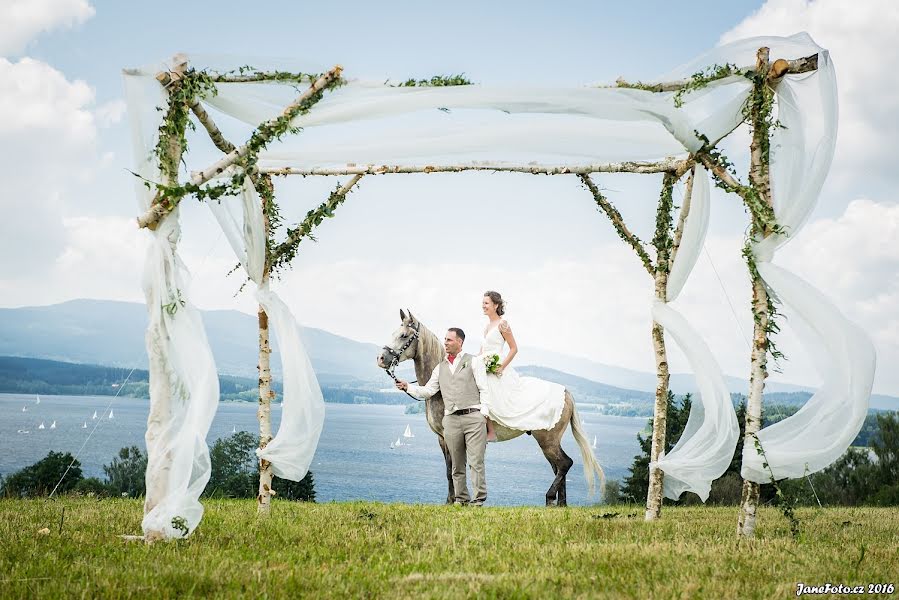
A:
[506,332]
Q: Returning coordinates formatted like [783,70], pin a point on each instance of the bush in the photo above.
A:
[126,474]
[40,478]
[235,472]
[92,486]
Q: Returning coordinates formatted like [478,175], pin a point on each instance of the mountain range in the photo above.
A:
[105,332]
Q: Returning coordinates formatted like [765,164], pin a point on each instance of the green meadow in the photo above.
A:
[373,550]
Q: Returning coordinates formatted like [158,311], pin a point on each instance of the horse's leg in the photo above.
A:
[551,444]
[563,484]
[450,495]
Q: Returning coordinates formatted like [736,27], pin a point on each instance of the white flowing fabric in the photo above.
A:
[303,407]
[706,447]
[801,154]
[825,426]
[184,387]
[374,123]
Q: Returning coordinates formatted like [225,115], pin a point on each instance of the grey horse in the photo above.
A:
[416,342]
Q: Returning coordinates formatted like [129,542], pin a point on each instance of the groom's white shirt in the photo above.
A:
[433,386]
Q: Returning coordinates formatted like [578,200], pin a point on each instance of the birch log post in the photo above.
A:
[264,412]
[159,417]
[663,244]
[758,177]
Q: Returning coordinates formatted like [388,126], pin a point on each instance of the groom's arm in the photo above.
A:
[423,392]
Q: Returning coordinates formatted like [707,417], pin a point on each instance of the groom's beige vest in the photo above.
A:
[459,390]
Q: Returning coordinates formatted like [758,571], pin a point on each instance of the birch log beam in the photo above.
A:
[663,166]
[780,68]
[618,223]
[682,218]
[158,209]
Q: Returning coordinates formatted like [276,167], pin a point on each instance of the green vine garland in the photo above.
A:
[662,240]
[285,252]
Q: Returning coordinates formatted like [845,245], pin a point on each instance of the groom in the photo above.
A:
[461,379]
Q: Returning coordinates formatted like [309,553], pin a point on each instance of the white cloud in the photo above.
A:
[861,38]
[50,133]
[22,20]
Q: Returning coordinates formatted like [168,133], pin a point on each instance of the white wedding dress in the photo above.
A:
[522,403]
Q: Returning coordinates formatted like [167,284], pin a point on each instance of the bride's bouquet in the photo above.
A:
[491,362]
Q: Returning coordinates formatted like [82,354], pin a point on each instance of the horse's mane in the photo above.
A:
[430,352]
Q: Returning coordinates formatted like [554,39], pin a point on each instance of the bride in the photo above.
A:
[523,403]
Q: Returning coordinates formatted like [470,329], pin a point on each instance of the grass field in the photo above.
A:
[370,550]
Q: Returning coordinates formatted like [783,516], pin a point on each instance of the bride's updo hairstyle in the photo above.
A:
[497,299]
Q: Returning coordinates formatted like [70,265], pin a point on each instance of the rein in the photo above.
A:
[395,354]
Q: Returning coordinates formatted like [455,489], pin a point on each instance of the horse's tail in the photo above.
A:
[591,465]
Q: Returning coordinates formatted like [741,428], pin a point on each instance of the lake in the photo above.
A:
[354,460]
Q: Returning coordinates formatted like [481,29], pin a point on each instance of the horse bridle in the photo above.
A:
[396,354]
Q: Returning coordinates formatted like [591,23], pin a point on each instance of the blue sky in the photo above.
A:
[572,286]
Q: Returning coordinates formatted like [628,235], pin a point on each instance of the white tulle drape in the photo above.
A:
[844,357]
[373,123]
[184,388]
[706,447]
[303,407]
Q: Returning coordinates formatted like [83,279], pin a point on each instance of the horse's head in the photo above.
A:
[403,343]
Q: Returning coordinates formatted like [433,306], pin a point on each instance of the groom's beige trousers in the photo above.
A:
[466,439]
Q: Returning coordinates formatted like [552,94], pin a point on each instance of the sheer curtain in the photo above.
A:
[184,388]
[705,448]
[303,407]
[369,122]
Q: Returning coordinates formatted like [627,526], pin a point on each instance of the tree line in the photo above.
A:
[235,474]
[867,474]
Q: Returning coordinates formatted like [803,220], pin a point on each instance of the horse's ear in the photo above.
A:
[402,315]
[411,318]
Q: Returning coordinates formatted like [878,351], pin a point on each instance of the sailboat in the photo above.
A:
[234,429]
[391,445]
[398,442]
[53,425]
[408,433]
[111,416]
[594,442]
[38,401]
[95,415]
[84,426]
[41,426]
[24,409]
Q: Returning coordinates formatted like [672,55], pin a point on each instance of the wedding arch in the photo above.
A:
[448,125]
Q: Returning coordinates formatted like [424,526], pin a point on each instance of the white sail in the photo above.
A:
[391,445]
[24,409]
[408,433]
[111,416]
[84,426]
[234,429]
[38,401]
[41,426]
[95,415]
[53,425]
[398,442]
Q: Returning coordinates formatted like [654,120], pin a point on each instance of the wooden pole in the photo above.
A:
[663,244]
[662,166]
[160,415]
[780,68]
[758,177]
[264,413]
